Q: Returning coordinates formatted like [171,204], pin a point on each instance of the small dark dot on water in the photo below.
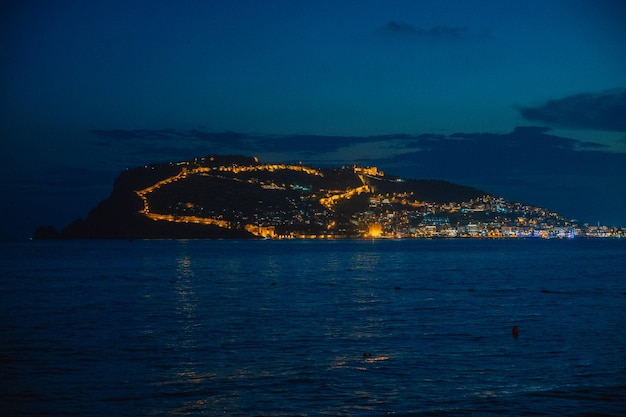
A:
[273,283]
[172,281]
[367,355]
[545,291]
[471,290]
[397,288]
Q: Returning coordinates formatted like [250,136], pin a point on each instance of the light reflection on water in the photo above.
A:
[315,328]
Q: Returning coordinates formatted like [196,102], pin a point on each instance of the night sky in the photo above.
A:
[523,99]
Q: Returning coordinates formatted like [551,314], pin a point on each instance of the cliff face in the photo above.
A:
[239,197]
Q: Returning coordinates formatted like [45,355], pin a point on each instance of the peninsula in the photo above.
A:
[240,197]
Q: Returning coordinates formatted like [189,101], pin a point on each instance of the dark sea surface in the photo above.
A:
[313,328]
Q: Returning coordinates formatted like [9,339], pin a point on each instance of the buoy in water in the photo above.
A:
[515,331]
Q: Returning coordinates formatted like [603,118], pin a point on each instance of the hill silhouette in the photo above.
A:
[241,197]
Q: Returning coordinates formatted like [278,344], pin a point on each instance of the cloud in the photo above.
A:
[235,142]
[440,32]
[526,149]
[591,111]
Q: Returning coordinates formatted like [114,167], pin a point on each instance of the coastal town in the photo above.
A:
[280,201]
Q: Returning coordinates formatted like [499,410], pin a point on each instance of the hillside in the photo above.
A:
[240,197]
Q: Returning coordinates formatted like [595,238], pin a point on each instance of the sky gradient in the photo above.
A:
[526,100]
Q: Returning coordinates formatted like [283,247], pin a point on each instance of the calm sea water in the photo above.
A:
[337,328]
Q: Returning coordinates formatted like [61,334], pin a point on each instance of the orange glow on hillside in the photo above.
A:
[375,230]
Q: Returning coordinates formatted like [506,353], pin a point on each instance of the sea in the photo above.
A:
[313,328]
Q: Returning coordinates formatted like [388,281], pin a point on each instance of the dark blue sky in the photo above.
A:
[425,89]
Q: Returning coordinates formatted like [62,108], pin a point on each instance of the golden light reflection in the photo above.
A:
[187,376]
[199,405]
[357,362]
[184,282]
[376,359]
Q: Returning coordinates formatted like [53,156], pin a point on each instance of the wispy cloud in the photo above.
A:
[592,111]
[526,149]
[395,27]
[221,142]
